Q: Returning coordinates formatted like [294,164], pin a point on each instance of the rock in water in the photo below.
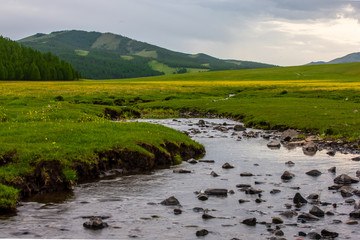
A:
[202,233]
[214,174]
[298,199]
[207,216]
[355,213]
[181,170]
[274,144]
[171,201]
[239,128]
[246,174]
[95,223]
[310,149]
[202,197]
[308,217]
[288,135]
[345,179]
[314,173]
[317,211]
[277,220]
[287,175]
[327,234]
[216,192]
[250,221]
[227,166]
[314,235]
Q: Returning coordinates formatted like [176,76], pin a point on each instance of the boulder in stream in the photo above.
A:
[345,179]
[95,223]
[227,166]
[314,173]
[216,192]
[287,175]
[171,201]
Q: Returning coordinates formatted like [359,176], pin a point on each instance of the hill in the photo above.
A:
[350,58]
[106,56]
[23,63]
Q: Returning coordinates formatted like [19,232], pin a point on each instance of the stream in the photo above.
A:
[130,204]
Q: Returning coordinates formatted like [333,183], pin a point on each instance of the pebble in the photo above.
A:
[214,174]
[246,174]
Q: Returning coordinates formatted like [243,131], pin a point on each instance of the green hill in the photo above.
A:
[106,55]
[23,63]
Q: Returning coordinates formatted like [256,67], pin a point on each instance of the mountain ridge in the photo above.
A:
[107,55]
[349,58]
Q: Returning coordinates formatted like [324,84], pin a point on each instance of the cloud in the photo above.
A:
[284,32]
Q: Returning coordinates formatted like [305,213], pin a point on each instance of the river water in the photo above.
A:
[131,203]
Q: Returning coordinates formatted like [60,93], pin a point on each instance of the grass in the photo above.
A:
[66,121]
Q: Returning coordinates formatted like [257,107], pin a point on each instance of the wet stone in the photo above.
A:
[192,161]
[355,213]
[328,234]
[203,197]
[243,185]
[227,166]
[288,214]
[243,201]
[277,220]
[177,211]
[214,174]
[207,216]
[275,191]
[207,161]
[316,211]
[95,224]
[314,173]
[331,153]
[274,144]
[239,127]
[307,217]
[290,163]
[352,222]
[314,235]
[171,201]
[202,232]
[181,170]
[246,174]
[216,192]
[299,199]
[345,179]
[249,221]
[356,159]
[332,169]
[287,175]
[313,196]
[253,191]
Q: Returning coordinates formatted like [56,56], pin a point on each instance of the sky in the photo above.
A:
[281,32]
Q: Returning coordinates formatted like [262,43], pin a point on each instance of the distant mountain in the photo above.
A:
[106,55]
[350,58]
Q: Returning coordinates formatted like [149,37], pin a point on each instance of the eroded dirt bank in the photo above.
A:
[48,176]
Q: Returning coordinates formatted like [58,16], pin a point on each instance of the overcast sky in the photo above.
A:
[282,32]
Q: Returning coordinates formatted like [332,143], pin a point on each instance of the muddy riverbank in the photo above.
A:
[255,192]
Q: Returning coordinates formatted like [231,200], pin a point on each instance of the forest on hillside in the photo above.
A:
[23,63]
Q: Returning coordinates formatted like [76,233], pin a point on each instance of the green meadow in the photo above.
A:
[68,121]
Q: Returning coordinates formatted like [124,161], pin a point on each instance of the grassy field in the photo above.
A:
[68,121]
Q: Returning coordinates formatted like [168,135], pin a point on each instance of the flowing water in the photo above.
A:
[131,203]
